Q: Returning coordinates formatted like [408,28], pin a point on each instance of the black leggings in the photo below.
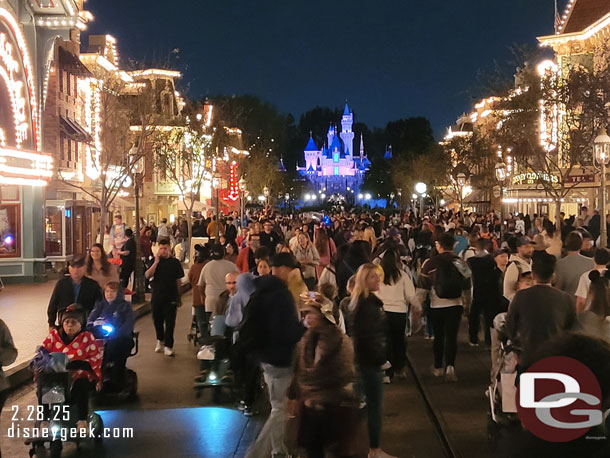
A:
[397,354]
[446,323]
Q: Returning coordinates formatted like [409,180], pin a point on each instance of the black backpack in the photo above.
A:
[449,281]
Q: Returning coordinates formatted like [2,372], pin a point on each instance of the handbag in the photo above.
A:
[292,427]
[349,430]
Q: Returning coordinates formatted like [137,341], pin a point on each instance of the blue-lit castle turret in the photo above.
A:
[333,168]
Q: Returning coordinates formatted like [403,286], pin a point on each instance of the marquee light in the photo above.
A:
[25,167]
[16,86]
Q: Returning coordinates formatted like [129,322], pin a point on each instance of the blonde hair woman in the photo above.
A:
[369,236]
[368,331]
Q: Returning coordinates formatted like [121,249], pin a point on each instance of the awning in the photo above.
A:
[197,206]
[72,64]
[74,130]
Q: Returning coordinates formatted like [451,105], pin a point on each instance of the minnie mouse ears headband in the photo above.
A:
[596,275]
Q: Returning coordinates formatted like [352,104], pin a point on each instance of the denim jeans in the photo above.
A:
[371,378]
[277,379]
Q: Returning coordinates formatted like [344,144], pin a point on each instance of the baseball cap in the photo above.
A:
[77,261]
[217,251]
[524,240]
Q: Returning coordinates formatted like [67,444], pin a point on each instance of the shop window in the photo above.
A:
[10,235]
[52,242]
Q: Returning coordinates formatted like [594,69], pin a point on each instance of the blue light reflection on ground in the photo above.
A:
[203,431]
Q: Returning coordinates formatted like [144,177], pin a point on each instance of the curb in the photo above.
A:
[21,374]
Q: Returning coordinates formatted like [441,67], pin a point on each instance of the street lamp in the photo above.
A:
[242,188]
[602,157]
[216,184]
[461,175]
[136,161]
[421,189]
[501,177]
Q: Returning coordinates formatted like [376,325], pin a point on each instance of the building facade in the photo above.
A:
[334,168]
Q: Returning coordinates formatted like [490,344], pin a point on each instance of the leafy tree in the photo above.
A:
[572,104]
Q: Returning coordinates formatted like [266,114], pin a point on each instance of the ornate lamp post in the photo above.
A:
[421,189]
[461,175]
[602,157]
[501,177]
[137,169]
[242,190]
[216,179]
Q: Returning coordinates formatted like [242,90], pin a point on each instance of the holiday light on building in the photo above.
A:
[233,182]
[549,122]
[19,94]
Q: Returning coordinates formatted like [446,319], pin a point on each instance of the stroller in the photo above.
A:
[214,361]
[53,390]
[501,393]
[194,335]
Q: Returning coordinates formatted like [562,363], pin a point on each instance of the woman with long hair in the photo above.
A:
[368,330]
[595,320]
[326,249]
[368,235]
[308,257]
[397,292]
[358,253]
[98,266]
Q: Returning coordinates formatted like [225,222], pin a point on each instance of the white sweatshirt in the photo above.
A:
[397,297]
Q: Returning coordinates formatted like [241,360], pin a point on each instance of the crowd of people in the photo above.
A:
[322,305]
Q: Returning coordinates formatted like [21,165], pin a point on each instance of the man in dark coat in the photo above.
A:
[73,289]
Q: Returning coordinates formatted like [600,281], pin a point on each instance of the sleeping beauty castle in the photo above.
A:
[334,168]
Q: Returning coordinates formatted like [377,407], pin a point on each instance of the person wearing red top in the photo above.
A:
[245,259]
[79,345]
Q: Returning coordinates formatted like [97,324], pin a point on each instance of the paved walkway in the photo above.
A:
[23,308]
[461,407]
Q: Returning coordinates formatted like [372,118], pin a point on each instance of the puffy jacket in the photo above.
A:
[368,330]
[271,327]
[118,313]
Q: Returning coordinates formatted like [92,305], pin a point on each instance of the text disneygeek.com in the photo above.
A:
[64,434]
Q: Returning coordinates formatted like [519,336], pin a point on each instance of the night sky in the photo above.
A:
[390,58]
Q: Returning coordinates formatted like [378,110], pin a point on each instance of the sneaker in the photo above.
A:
[159,348]
[450,374]
[473,344]
[242,406]
[248,411]
[378,453]
[437,371]
[386,379]
[168,351]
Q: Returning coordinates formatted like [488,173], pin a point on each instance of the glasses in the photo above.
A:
[230,282]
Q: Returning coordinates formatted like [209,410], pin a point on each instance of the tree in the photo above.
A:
[410,137]
[181,154]
[550,121]
[113,158]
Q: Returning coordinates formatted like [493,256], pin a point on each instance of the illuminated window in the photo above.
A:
[335,157]
[10,237]
[336,171]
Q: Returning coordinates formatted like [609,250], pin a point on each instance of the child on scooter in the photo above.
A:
[80,345]
[115,311]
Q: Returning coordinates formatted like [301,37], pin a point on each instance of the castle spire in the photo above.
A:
[361,146]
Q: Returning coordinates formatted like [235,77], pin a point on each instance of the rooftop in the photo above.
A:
[584,13]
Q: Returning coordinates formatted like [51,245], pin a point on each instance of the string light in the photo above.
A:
[29,78]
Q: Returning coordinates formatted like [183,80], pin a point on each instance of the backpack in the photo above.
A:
[451,278]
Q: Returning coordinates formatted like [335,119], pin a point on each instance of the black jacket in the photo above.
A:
[271,328]
[368,330]
[63,295]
